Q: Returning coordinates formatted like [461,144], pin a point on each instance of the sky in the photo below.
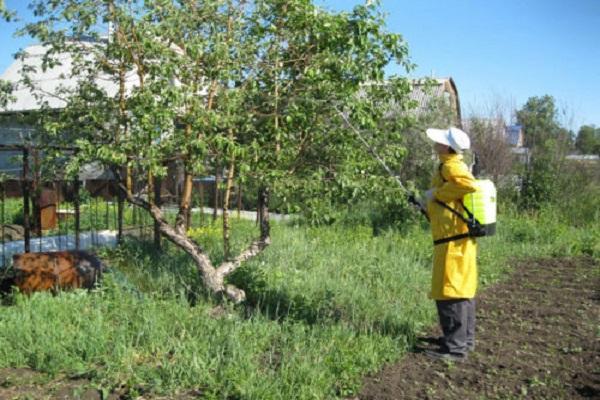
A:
[499,52]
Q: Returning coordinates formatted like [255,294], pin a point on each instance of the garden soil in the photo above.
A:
[538,337]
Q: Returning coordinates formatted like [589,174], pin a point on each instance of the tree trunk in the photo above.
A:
[182,220]
[213,278]
[265,225]
[226,200]
[216,197]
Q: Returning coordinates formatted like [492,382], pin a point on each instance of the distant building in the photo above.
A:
[514,135]
[49,83]
[47,96]
[522,154]
[426,91]
[427,95]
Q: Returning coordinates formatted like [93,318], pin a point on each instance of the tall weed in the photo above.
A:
[325,306]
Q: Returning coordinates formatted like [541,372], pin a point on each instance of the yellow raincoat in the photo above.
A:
[454,263]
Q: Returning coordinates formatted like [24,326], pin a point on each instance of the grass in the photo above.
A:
[325,306]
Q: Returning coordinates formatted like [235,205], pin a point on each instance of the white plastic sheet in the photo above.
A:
[87,240]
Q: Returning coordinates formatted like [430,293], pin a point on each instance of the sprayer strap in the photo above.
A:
[451,238]
[467,221]
[446,206]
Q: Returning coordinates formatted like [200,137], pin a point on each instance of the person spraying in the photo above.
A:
[454,275]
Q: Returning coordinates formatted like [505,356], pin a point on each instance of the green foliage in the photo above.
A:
[255,88]
[6,89]
[539,119]
[6,15]
[273,75]
[361,189]
[325,306]
[588,140]
[13,211]
[539,182]
[418,164]
[548,143]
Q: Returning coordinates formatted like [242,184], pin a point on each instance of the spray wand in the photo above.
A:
[411,196]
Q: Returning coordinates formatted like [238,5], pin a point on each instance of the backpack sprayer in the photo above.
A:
[479,207]
[479,211]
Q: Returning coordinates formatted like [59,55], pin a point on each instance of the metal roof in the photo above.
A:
[49,82]
[423,94]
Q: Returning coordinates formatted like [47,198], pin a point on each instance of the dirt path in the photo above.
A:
[538,338]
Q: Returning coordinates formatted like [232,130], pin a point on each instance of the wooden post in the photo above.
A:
[106,211]
[77,214]
[157,202]
[3,194]
[120,201]
[25,187]
[201,194]
[263,201]
[35,192]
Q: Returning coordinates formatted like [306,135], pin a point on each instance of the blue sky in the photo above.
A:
[498,51]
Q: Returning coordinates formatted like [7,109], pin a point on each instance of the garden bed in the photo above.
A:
[537,339]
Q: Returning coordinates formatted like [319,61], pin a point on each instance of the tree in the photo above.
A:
[588,140]
[5,13]
[6,90]
[419,163]
[548,143]
[538,118]
[5,87]
[493,151]
[256,87]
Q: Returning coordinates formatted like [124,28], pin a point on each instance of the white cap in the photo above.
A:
[452,137]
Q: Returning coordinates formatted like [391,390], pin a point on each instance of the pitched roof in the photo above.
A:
[424,90]
[49,82]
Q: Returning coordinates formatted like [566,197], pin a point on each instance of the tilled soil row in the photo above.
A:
[538,337]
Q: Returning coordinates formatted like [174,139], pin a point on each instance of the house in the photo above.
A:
[51,82]
[48,84]
[427,93]
[45,94]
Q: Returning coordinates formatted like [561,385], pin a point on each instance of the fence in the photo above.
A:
[43,215]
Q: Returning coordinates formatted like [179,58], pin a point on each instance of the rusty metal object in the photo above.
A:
[56,271]
[47,206]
